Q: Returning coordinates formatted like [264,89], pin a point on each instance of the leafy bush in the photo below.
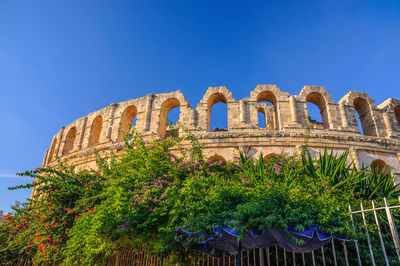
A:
[155,187]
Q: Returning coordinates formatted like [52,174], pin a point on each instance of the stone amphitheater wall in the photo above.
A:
[286,122]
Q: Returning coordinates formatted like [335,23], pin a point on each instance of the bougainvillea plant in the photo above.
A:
[155,187]
[39,228]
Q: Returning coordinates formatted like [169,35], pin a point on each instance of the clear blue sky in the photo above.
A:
[60,60]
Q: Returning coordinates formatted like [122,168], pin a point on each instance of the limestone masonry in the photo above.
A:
[286,119]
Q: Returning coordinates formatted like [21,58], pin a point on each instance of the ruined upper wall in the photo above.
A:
[283,113]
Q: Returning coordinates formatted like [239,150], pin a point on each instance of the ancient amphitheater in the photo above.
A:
[285,125]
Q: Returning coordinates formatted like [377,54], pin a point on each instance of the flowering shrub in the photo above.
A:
[39,228]
[153,188]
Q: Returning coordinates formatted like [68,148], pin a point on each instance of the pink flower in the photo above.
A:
[243,181]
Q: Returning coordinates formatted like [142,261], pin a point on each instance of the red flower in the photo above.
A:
[91,181]
[31,245]
[86,185]
[91,211]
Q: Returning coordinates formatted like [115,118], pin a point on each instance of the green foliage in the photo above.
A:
[154,187]
[365,183]
[39,228]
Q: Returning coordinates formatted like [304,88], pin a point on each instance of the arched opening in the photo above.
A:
[170,113]
[220,118]
[261,118]
[397,113]
[379,165]
[52,150]
[270,156]
[69,141]
[317,110]
[217,158]
[127,121]
[269,98]
[364,115]
[96,130]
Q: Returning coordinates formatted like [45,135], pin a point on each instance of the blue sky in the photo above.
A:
[60,60]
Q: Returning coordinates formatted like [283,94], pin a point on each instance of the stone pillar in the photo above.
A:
[45,157]
[110,125]
[149,102]
[388,125]
[242,110]
[60,140]
[342,108]
[293,111]
[354,156]
[82,134]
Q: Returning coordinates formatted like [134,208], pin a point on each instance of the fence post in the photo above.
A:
[334,251]
[371,252]
[355,242]
[380,233]
[392,228]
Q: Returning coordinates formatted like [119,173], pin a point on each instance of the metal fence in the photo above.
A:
[374,223]
[378,243]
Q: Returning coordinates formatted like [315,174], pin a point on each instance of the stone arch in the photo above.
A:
[379,165]
[319,100]
[126,120]
[69,141]
[166,107]
[262,111]
[269,96]
[397,114]
[212,100]
[270,156]
[52,150]
[217,158]
[363,104]
[280,95]
[273,95]
[217,90]
[96,130]
[212,96]
[364,112]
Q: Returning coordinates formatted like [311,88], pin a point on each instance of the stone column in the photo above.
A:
[110,126]
[293,111]
[60,140]
[149,102]
[354,156]
[45,157]
[82,134]
[242,110]
[388,125]
[342,108]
